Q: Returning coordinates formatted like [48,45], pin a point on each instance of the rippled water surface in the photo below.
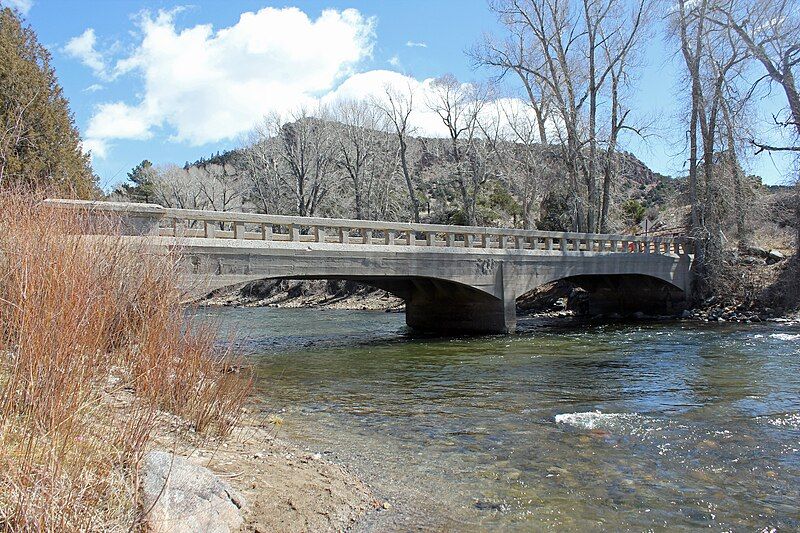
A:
[619,427]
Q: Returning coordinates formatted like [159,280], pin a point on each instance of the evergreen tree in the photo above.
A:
[143,184]
[39,143]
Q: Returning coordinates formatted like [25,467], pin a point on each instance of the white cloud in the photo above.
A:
[97,148]
[416,44]
[93,88]
[207,85]
[23,6]
[83,48]
[425,122]
[394,61]
[119,121]
[203,85]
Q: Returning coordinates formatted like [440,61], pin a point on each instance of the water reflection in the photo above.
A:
[659,425]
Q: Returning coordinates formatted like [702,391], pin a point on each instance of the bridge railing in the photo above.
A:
[154,219]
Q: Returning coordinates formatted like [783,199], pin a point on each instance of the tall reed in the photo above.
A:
[94,347]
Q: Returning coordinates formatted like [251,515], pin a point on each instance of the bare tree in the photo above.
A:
[566,53]
[397,108]
[258,163]
[527,171]
[356,148]
[174,186]
[459,107]
[305,159]
[770,30]
[221,184]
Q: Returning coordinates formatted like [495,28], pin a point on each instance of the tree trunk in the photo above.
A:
[412,196]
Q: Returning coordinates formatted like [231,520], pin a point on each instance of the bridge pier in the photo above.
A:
[436,307]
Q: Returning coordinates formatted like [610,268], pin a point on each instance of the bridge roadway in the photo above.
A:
[452,278]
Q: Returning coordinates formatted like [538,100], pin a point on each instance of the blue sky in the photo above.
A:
[126,65]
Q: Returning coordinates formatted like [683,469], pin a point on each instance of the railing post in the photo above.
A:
[343,235]
[319,233]
[238,230]
[411,238]
[450,239]
[485,240]
[367,233]
[563,244]
[391,235]
[178,227]
[468,240]
[430,238]
[294,232]
[208,229]
[266,232]
[501,241]
[520,242]
[590,245]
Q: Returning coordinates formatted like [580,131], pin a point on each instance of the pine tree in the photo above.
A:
[39,143]
[142,177]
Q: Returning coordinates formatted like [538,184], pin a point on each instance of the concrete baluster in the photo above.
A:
[367,236]
[294,232]
[238,230]
[468,240]
[450,239]
[178,227]
[391,235]
[344,235]
[266,232]
[319,233]
[208,229]
[486,241]
[430,238]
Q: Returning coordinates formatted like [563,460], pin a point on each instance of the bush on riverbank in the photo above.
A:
[85,322]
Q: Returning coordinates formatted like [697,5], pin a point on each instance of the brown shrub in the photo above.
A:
[83,319]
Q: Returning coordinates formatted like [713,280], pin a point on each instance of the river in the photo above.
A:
[635,426]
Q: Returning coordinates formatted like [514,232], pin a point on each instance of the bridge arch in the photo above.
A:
[606,294]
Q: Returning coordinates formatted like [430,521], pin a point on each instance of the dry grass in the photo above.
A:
[82,319]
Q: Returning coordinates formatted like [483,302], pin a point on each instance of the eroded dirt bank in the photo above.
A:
[288,488]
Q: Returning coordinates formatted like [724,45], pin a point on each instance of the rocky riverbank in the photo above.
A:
[251,480]
[284,293]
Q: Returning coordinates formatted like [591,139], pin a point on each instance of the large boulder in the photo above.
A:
[181,497]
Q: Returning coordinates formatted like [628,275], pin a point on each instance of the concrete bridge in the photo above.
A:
[452,278]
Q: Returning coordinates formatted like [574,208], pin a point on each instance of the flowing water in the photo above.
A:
[636,426]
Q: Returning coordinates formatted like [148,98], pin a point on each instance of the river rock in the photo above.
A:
[181,497]
[775,256]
